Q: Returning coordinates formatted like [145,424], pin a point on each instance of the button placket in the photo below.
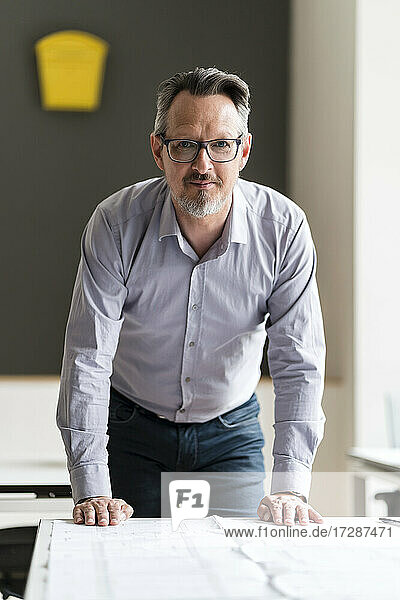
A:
[193,320]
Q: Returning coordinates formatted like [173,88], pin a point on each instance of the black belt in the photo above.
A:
[141,409]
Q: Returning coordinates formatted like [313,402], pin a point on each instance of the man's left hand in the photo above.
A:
[284,509]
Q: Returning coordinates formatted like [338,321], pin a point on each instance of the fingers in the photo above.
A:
[302,514]
[270,509]
[276,509]
[127,510]
[85,512]
[289,510]
[314,515]
[263,512]
[78,514]
[119,511]
[283,509]
[103,511]
[89,513]
[114,513]
[102,514]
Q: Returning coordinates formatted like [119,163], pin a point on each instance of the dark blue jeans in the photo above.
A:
[227,449]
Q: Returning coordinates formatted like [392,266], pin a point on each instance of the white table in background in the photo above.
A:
[375,471]
[43,478]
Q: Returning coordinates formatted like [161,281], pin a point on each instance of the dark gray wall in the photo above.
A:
[57,166]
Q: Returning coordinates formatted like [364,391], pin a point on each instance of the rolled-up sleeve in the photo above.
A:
[91,341]
[296,357]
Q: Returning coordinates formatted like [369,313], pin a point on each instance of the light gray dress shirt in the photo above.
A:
[183,336]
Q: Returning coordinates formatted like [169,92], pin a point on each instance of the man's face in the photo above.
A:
[201,187]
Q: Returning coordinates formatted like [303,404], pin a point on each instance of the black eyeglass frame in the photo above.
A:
[201,145]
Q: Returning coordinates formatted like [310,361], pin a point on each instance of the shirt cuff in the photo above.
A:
[289,477]
[90,480]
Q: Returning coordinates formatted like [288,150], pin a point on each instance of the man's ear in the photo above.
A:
[156,148]
[246,151]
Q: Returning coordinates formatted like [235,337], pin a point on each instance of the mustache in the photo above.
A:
[202,177]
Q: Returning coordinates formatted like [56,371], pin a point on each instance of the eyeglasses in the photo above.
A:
[186,151]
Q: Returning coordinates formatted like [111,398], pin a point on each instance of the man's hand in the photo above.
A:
[102,510]
[284,508]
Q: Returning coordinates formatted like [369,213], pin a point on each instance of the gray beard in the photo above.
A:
[202,205]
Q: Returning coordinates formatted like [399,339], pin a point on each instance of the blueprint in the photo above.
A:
[144,559]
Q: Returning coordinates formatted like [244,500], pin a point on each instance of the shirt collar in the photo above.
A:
[168,223]
[237,219]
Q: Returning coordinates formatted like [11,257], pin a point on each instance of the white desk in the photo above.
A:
[33,490]
[26,512]
[376,473]
[43,478]
[383,459]
[143,560]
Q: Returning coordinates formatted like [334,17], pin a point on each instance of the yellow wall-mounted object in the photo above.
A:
[71,70]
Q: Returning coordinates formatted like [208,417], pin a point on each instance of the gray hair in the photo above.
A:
[202,82]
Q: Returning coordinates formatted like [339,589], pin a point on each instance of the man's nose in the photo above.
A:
[202,163]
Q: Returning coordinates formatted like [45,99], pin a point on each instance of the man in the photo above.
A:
[179,279]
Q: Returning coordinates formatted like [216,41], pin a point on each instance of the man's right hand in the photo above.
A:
[101,510]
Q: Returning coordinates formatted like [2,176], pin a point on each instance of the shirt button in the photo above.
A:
[195,307]
[191,344]
[181,410]
[187,379]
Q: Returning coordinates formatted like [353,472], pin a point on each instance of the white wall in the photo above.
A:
[377,186]
[27,426]
[321,181]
